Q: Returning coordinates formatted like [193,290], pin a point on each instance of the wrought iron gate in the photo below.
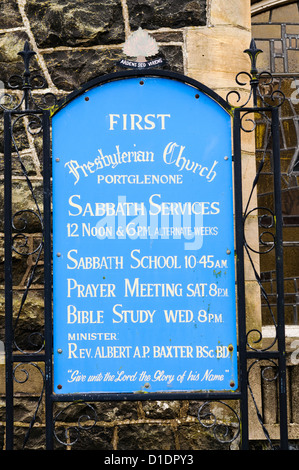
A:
[28,237]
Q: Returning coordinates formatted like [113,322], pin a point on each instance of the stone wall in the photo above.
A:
[74,42]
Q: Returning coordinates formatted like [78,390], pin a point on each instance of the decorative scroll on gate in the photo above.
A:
[28,233]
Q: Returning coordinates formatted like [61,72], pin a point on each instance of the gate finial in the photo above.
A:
[27,82]
[26,55]
[264,78]
[253,52]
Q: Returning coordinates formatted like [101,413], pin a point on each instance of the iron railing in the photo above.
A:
[32,115]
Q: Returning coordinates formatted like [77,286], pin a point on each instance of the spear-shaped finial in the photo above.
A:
[26,55]
[27,82]
[253,52]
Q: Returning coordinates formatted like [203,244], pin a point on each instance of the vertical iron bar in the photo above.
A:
[8,282]
[47,278]
[239,230]
[279,281]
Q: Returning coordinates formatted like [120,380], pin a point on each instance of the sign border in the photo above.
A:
[139,74]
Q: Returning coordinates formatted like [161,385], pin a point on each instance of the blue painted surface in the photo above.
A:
[144,287]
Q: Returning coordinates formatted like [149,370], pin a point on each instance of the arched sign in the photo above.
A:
[143,238]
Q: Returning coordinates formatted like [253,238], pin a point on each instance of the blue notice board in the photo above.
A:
[143,241]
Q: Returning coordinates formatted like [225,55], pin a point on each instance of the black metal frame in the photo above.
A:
[28,107]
